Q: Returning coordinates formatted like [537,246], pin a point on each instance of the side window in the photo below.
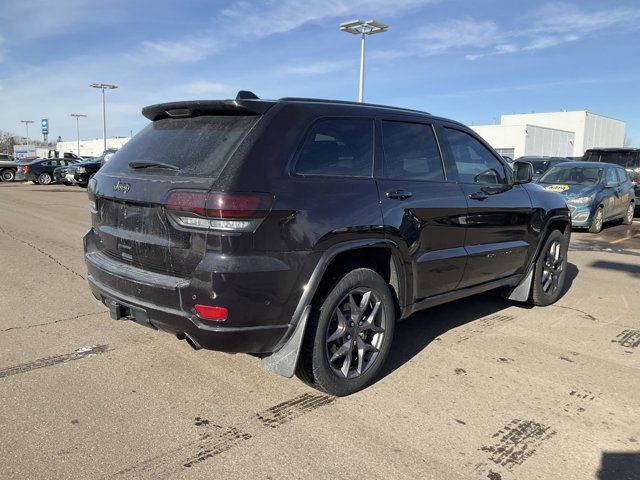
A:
[610,177]
[475,163]
[623,176]
[338,147]
[410,152]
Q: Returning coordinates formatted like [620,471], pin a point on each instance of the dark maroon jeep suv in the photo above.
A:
[302,230]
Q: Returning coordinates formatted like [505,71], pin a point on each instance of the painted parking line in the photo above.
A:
[625,238]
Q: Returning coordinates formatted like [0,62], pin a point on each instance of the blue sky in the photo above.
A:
[467,60]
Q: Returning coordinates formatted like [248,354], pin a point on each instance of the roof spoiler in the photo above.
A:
[246,103]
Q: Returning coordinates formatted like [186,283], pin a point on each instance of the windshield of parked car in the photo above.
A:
[199,146]
[572,175]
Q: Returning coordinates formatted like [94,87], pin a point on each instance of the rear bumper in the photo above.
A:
[259,339]
[259,317]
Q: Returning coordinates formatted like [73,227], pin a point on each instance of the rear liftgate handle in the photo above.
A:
[399,195]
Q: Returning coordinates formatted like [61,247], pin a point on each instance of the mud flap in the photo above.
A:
[284,361]
[522,291]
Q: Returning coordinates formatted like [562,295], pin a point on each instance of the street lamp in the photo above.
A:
[77,116]
[26,124]
[363,28]
[103,87]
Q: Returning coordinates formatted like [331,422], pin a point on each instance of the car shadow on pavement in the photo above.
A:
[619,466]
[633,270]
[416,332]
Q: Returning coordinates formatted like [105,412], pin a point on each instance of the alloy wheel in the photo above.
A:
[355,333]
[630,212]
[598,220]
[553,268]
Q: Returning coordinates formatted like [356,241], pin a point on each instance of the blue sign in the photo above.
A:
[44,123]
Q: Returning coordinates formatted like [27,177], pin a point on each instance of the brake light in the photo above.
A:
[25,168]
[219,211]
[208,312]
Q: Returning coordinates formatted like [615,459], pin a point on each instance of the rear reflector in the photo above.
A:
[219,211]
[217,314]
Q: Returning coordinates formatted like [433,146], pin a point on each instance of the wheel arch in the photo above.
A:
[381,254]
[562,223]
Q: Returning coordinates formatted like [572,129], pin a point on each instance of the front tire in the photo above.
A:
[628,218]
[550,270]
[598,221]
[349,334]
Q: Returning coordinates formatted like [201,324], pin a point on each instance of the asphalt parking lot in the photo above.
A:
[479,388]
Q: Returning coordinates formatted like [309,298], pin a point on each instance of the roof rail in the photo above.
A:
[348,102]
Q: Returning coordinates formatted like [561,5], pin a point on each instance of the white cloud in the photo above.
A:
[212,89]
[187,50]
[549,26]
[317,68]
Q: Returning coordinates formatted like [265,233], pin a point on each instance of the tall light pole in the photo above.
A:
[103,87]
[363,28]
[26,123]
[77,116]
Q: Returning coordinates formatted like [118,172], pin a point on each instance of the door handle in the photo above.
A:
[478,196]
[399,194]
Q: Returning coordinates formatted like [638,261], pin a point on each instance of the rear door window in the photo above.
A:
[611,178]
[340,147]
[199,146]
[410,152]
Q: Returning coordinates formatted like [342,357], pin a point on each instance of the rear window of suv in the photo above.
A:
[198,146]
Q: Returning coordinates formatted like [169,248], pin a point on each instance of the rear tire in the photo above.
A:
[44,179]
[7,175]
[348,335]
[598,221]
[550,270]
[628,218]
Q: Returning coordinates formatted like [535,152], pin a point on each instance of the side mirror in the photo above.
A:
[522,172]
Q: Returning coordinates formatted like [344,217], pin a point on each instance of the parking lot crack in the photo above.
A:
[43,252]
[52,322]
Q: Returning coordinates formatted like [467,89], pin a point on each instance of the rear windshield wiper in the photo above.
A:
[153,165]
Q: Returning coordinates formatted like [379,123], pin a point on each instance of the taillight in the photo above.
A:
[208,312]
[219,211]
[25,168]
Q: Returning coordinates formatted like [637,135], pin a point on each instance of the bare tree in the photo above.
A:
[627,141]
[7,141]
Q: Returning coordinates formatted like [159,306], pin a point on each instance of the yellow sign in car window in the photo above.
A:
[557,188]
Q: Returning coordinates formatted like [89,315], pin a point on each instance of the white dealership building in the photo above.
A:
[561,134]
[91,148]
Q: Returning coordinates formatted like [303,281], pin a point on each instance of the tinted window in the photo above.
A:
[338,147]
[624,159]
[410,152]
[475,163]
[199,146]
[572,175]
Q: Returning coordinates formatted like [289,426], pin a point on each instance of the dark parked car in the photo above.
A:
[542,164]
[594,193]
[301,230]
[41,170]
[627,158]
[82,172]
[60,174]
